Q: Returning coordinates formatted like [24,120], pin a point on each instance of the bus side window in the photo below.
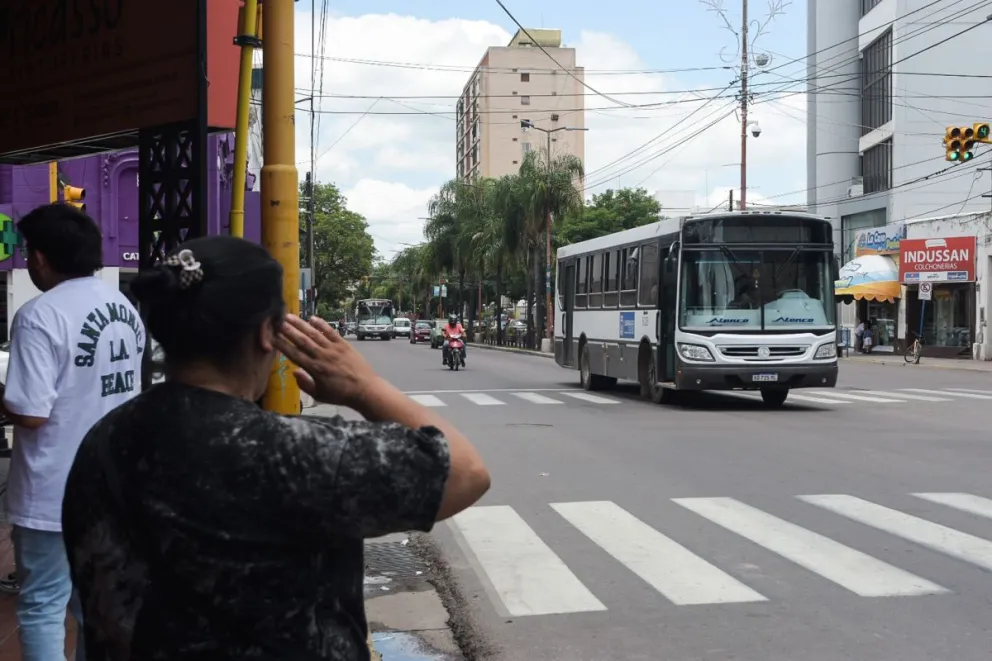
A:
[581,283]
[647,290]
[611,280]
[628,282]
[596,281]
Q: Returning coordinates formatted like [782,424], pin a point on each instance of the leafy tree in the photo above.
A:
[343,248]
[611,211]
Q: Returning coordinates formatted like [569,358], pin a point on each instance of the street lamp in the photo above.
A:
[527,124]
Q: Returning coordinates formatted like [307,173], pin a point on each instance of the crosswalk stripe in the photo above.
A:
[950,392]
[957,544]
[815,400]
[961,501]
[858,397]
[427,400]
[482,399]
[906,395]
[528,577]
[970,390]
[670,568]
[586,397]
[535,398]
[858,572]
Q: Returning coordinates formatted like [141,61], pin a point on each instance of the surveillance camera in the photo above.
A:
[755,129]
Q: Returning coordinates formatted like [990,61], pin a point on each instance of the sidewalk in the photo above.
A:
[525,352]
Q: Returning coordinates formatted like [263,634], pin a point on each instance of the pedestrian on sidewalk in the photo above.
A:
[75,354]
[200,526]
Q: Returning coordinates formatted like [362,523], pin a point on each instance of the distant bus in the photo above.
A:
[375,318]
[736,300]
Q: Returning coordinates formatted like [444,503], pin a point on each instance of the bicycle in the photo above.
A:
[914,350]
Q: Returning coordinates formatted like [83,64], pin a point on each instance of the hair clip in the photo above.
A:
[192,270]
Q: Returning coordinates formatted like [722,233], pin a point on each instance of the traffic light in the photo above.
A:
[74,196]
[958,143]
[983,133]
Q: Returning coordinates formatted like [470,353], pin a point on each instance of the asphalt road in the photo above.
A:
[717,529]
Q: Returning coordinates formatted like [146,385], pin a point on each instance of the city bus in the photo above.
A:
[374,317]
[725,301]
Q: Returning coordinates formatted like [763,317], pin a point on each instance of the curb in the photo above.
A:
[523,352]
[892,362]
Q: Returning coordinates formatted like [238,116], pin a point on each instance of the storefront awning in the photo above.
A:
[874,277]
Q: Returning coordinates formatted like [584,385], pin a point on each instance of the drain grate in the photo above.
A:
[394,559]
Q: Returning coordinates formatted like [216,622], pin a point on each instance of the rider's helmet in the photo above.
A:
[452,320]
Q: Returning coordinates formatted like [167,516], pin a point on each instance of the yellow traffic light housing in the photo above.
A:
[983,133]
[958,143]
[74,196]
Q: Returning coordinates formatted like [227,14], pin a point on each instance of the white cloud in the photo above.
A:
[389,165]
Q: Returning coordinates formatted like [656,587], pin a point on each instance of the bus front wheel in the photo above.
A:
[774,397]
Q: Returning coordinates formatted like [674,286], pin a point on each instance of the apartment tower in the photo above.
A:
[519,83]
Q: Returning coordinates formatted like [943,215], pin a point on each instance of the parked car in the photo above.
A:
[402,327]
[421,332]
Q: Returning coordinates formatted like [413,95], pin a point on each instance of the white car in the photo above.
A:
[402,327]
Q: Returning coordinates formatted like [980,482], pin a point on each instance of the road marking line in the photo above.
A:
[427,400]
[817,400]
[535,398]
[847,567]
[461,390]
[586,397]
[858,397]
[957,544]
[482,399]
[949,393]
[528,577]
[750,395]
[961,501]
[969,390]
[904,395]
[670,568]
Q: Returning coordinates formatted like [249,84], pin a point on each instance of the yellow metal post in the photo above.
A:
[248,40]
[53,181]
[280,182]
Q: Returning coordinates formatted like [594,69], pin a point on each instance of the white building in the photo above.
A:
[882,90]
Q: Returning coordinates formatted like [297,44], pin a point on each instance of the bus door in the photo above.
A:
[668,304]
[568,350]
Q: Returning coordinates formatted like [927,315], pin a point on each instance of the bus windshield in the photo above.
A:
[785,288]
[375,312]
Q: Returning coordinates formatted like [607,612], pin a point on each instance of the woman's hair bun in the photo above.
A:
[156,284]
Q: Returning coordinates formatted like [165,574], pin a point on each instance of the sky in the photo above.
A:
[385,132]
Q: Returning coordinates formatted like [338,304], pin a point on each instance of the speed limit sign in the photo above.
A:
[926,291]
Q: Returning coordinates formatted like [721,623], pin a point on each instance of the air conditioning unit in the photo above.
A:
[554,118]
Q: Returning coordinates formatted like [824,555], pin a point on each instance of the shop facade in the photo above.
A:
[951,256]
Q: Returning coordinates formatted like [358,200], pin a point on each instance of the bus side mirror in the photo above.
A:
[835,269]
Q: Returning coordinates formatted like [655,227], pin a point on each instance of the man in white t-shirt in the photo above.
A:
[75,354]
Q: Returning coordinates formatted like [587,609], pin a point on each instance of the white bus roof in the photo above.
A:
[662,227]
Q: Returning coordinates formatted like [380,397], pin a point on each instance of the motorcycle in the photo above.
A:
[456,351]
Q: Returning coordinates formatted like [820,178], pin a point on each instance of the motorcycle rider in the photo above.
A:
[451,327]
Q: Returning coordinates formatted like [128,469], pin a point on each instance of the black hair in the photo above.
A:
[67,237]
[209,320]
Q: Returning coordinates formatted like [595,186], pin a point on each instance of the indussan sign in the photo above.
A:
[937,260]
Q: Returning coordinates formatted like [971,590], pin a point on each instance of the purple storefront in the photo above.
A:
[111,184]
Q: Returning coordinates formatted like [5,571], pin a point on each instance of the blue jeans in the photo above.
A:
[46,593]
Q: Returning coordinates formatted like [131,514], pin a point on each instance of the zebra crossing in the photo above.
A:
[841,396]
[802,397]
[527,577]
[505,397]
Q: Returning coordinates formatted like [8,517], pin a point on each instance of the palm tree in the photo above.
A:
[549,186]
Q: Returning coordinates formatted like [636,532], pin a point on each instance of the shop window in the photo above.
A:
[947,318]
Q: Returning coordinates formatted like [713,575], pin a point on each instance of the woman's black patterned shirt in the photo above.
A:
[241,535]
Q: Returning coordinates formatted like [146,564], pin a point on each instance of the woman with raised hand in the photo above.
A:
[199,526]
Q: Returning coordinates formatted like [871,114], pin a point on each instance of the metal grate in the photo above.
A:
[394,559]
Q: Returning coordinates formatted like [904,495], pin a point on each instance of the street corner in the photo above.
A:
[409,604]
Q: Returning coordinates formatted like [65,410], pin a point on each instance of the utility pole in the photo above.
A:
[280,183]
[311,203]
[744,65]
[248,41]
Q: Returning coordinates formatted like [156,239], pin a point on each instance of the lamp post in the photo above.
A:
[527,124]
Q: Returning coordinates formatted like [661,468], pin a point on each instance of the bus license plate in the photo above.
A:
[764,378]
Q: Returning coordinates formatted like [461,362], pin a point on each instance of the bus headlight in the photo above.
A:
[695,352]
[824,351]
